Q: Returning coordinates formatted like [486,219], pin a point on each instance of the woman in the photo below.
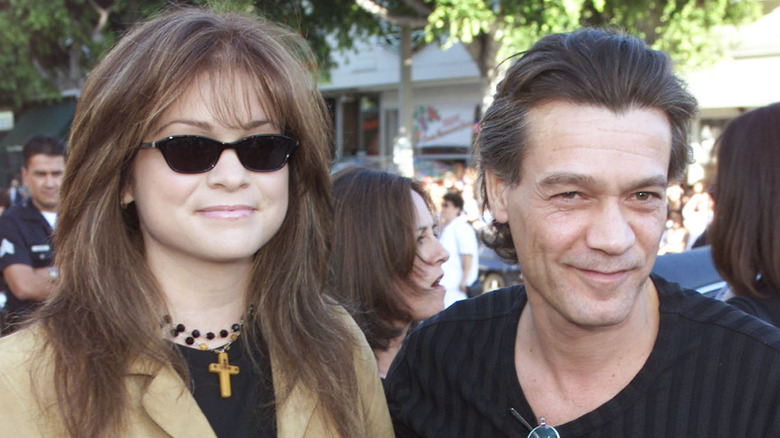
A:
[193,240]
[745,232]
[386,260]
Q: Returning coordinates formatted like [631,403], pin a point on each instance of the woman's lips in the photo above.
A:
[227,211]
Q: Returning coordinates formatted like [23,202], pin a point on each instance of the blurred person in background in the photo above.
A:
[675,237]
[26,248]
[386,264]
[5,201]
[460,240]
[17,191]
[697,213]
[193,245]
[674,197]
[745,232]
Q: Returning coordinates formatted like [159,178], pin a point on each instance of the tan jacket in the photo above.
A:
[164,408]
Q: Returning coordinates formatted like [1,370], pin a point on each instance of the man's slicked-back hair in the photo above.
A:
[593,67]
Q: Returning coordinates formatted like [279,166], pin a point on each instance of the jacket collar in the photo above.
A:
[170,404]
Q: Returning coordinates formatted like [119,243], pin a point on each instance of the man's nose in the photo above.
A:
[610,230]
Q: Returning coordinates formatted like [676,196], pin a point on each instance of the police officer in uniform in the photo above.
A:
[26,251]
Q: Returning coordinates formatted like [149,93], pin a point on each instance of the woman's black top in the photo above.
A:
[250,410]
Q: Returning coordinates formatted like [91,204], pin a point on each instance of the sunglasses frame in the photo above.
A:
[161,145]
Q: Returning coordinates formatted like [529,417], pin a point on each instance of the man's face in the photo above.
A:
[43,177]
[448,211]
[589,211]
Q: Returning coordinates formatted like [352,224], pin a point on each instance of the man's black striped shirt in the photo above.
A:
[713,372]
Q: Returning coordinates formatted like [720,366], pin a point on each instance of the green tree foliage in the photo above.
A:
[493,30]
[325,24]
[48,46]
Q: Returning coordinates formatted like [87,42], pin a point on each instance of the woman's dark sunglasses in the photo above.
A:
[196,154]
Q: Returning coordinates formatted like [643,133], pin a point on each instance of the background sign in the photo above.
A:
[443,125]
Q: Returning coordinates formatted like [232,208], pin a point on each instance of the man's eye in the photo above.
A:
[569,195]
[644,196]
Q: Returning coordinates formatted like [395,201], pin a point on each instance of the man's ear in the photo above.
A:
[497,192]
[24,176]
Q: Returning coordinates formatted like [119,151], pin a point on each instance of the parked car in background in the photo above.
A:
[692,269]
[495,273]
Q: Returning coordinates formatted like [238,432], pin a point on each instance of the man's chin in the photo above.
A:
[47,206]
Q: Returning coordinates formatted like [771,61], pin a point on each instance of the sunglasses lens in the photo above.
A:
[190,154]
[265,153]
[194,154]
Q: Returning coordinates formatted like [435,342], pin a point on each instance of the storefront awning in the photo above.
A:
[747,78]
[737,83]
[52,120]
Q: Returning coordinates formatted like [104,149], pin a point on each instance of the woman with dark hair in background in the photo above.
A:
[745,232]
[386,260]
[193,244]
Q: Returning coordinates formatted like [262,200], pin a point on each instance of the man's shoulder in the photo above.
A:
[13,213]
[498,304]
[462,224]
[709,314]
[11,223]
[24,211]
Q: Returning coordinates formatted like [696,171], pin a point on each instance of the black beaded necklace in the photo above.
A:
[191,336]
[223,367]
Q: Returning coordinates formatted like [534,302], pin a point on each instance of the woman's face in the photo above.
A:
[223,215]
[429,298]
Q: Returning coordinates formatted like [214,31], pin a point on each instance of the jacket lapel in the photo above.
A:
[294,416]
[170,405]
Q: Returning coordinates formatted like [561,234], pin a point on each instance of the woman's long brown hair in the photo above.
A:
[374,249]
[745,231]
[107,309]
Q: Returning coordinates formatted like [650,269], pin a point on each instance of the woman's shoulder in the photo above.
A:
[24,366]
[348,322]
[22,355]
[20,346]
[372,394]
[364,356]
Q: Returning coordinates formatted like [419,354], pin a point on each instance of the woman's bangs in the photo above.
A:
[231,94]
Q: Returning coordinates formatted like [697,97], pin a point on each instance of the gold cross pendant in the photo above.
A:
[225,370]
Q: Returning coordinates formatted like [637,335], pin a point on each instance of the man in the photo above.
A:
[459,239]
[576,151]
[26,250]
